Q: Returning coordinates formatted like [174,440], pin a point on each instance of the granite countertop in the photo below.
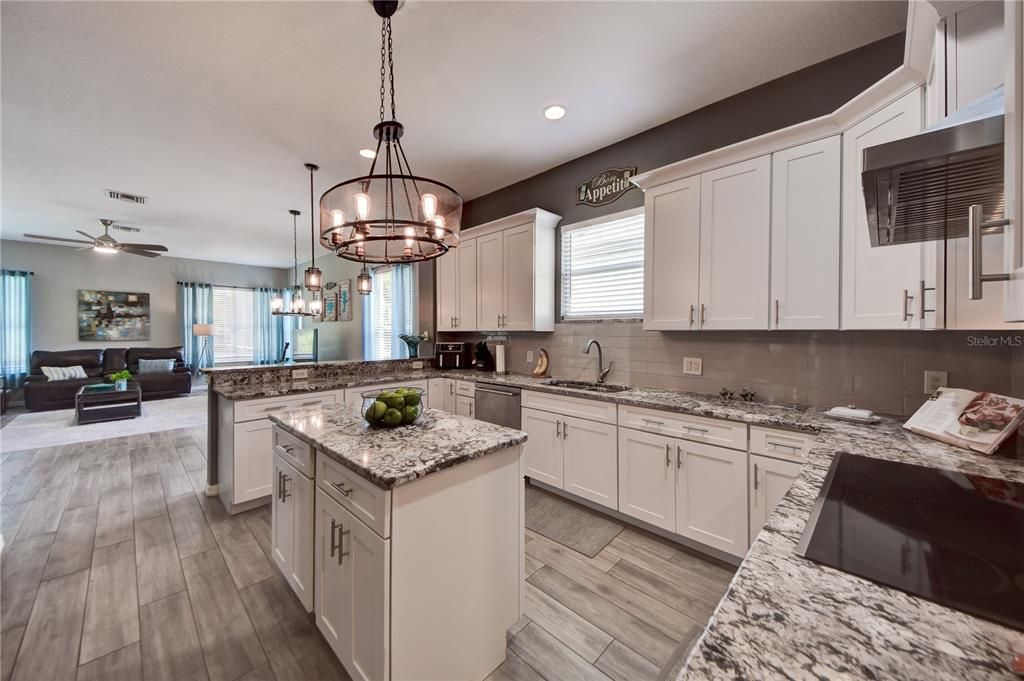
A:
[391,457]
[288,387]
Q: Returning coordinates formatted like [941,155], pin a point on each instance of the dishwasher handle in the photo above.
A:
[496,392]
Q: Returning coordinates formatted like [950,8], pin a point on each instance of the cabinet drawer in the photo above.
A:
[359,496]
[293,450]
[781,444]
[592,410]
[697,428]
[465,388]
[258,409]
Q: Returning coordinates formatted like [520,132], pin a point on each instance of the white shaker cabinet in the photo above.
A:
[253,454]
[805,235]
[543,449]
[672,255]
[465,406]
[456,288]
[292,529]
[770,479]
[881,285]
[735,208]
[590,460]
[647,477]
[711,496]
[490,280]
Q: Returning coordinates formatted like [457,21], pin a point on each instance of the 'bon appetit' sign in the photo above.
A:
[605,187]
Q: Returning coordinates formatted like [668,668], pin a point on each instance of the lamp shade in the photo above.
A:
[202,329]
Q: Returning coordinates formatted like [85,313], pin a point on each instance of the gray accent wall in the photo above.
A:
[61,271]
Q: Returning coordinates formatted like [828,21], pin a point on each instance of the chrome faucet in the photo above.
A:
[602,372]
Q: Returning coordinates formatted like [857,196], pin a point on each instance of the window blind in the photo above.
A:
[232,318]
[603,269]
[383,292]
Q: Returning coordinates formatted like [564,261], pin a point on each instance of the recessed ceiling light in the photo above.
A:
[367,153]
[554,112]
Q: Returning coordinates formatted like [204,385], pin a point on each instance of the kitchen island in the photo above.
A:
[406,543]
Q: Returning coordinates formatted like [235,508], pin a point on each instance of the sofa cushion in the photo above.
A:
[135,354]
[90,360]
[63,373]
[156,366]
[114,360]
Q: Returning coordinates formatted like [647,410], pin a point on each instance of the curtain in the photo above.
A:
[15,325]
[268,332]
[196,308]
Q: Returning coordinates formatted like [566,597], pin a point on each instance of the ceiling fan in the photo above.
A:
[107,243]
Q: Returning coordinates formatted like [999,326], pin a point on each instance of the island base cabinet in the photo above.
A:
[711,496]
[254,447]
[292,529]
[770,479]
[352,580]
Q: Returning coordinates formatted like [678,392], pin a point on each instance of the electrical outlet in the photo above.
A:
[693,366]
[300,374]
[529,356]
[417,365]
[933,380]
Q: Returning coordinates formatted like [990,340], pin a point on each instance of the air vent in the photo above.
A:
[125,196]
[126,228]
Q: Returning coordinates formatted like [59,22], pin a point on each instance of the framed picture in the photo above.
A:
[344,300]
[330,313]
[112,316]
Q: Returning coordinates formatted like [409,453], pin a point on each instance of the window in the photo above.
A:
[232,317]
[603,268]
[389,312]
[14,326]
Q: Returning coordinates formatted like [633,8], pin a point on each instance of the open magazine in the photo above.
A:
[979,421]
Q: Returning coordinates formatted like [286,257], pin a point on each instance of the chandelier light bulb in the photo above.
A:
[337,217]
[316,306]
[277,304]
[439,227]
[362,205]
[429,203]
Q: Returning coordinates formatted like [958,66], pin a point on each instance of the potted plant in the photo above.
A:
[120,379]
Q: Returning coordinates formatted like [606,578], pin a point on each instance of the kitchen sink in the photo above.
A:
[587,385]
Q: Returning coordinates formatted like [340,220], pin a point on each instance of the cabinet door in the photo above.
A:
[880,286]
[489,277]
[672,255]
[544,460]
[298,496]
[448,289]
[254,460]
[647,477]
[711,496]
[805,236]
[449,395]
[517,283]
[770,479]
[591,460]
[735,214]
[465,406]
[465,313]
[282,523]
[353,578]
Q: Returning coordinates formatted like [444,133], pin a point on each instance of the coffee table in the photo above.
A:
[93,406]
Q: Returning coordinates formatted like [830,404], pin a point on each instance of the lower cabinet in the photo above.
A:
[465,406]
[253,454]
[352,575]
[695,490]
[770,479]
[292,529]
[544,459]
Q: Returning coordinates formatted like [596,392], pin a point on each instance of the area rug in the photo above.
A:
[567,523]
[48,428]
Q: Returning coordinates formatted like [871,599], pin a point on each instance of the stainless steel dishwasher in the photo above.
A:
[498,404]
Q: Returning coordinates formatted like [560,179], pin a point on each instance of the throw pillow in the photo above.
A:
[156,366]
[63,373]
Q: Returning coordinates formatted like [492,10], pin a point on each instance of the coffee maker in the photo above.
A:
[452,355]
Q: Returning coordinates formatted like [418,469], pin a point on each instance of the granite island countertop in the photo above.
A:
[391,457]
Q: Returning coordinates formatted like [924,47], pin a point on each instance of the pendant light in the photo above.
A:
[364,284]
[297,304]
[389,215]
[314,279]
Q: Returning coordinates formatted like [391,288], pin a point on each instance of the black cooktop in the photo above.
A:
[951,538]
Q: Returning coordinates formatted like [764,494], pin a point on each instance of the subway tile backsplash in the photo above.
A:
[879,370]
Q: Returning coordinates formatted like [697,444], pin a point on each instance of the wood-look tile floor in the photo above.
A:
[116,566]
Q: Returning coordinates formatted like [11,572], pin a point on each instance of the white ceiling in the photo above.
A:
[211,108]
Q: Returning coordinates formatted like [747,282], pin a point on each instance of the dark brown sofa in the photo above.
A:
[41,394]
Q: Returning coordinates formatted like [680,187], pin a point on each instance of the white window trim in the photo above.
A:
[566,229]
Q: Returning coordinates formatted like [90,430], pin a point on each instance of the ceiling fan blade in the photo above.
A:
[148,247]
[57,238]
[134,251]
[87,236]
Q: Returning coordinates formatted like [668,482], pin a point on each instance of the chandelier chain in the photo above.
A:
[295,251]
[383,73]
[391,69]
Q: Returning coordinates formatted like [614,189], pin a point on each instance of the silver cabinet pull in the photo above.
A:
[776,313]
[284,487]
[278,495]
[924,288]
[491,391]
[792,448]
[976,228]
[692,310]
[340,488]
[907,314]
[702,431]
[565,430]
[558,429]
[679,456]
[277,408]
[451,389]
[337,544]
[653,422]
[703,310]
[312,403]
[471,405]
[756,484]
[668,455]
[286,448]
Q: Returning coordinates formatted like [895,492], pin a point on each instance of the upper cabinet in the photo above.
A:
[735,207]
[1013,257]
[456,288]
[805,236]
[672,254]
[882,288]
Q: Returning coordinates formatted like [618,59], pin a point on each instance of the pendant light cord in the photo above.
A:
[295,252]
[312,224]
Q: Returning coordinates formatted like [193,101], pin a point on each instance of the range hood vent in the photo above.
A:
[921,188]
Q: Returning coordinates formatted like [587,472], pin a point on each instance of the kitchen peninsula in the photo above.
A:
[416,547]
